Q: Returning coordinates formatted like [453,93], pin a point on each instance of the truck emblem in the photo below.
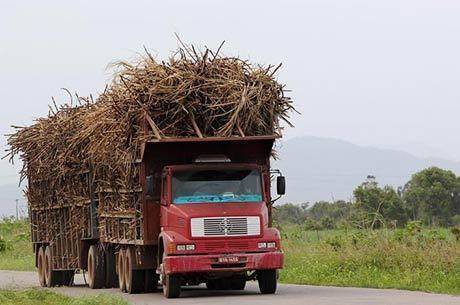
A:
[225,226]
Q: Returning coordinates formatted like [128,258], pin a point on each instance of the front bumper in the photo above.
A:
[210,262]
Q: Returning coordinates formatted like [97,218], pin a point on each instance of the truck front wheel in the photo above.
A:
[171,286]
[267,281]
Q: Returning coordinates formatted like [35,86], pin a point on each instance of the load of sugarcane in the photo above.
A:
[193,94]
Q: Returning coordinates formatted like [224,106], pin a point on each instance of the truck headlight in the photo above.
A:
[262,245]
[189,247]
[180,247]
[271,245]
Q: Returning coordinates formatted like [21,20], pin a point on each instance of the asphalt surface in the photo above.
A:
[286,294]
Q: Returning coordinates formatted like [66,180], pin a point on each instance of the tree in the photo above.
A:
[433,196]
[381,205]
[290,213]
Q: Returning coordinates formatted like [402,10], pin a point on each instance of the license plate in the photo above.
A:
[228,259]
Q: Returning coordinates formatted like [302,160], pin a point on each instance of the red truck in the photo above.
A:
[204,216]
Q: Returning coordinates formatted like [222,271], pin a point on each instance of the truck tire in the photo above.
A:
[121,269]
[267,281]
[111,277]
[134,279]
[96,272]
[151,280]
[171,286]
[41,266]
[238,283]
[52,277]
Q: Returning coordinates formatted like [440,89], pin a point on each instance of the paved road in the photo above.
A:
[286,295]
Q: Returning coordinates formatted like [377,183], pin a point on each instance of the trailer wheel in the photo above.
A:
[41,266]
[52,278]
[121,269]
[267,281]
[111,277]
[134,278]
[151,280]
[96,272]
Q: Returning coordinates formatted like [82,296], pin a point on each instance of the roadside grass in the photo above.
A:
[46,297]
[15,245]
[426,260]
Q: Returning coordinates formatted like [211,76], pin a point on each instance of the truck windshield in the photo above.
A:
[216,186]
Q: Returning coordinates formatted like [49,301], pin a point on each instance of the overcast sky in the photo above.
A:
[382,73]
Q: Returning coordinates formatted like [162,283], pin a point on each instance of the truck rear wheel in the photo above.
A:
[171,286]
[267,281]
[134,279]
[121,269]
[41,266]
[96,272]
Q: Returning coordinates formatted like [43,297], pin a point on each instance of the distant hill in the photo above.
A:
[323,169]
[317,169]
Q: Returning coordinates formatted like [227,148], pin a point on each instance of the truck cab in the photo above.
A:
[214,213]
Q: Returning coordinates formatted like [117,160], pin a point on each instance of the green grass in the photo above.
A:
[428,260]
[15,242]
[46,297]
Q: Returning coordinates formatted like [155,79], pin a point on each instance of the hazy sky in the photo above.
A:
[383,73]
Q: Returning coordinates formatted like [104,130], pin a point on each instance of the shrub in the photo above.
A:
[3,244]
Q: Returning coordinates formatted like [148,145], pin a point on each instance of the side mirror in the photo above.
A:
[281,185]
[149,185]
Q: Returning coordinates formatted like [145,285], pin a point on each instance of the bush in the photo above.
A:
[3,244]
[456,220]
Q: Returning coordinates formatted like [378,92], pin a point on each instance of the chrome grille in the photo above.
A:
[225,226]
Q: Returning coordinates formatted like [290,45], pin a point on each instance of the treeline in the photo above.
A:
[432,197]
